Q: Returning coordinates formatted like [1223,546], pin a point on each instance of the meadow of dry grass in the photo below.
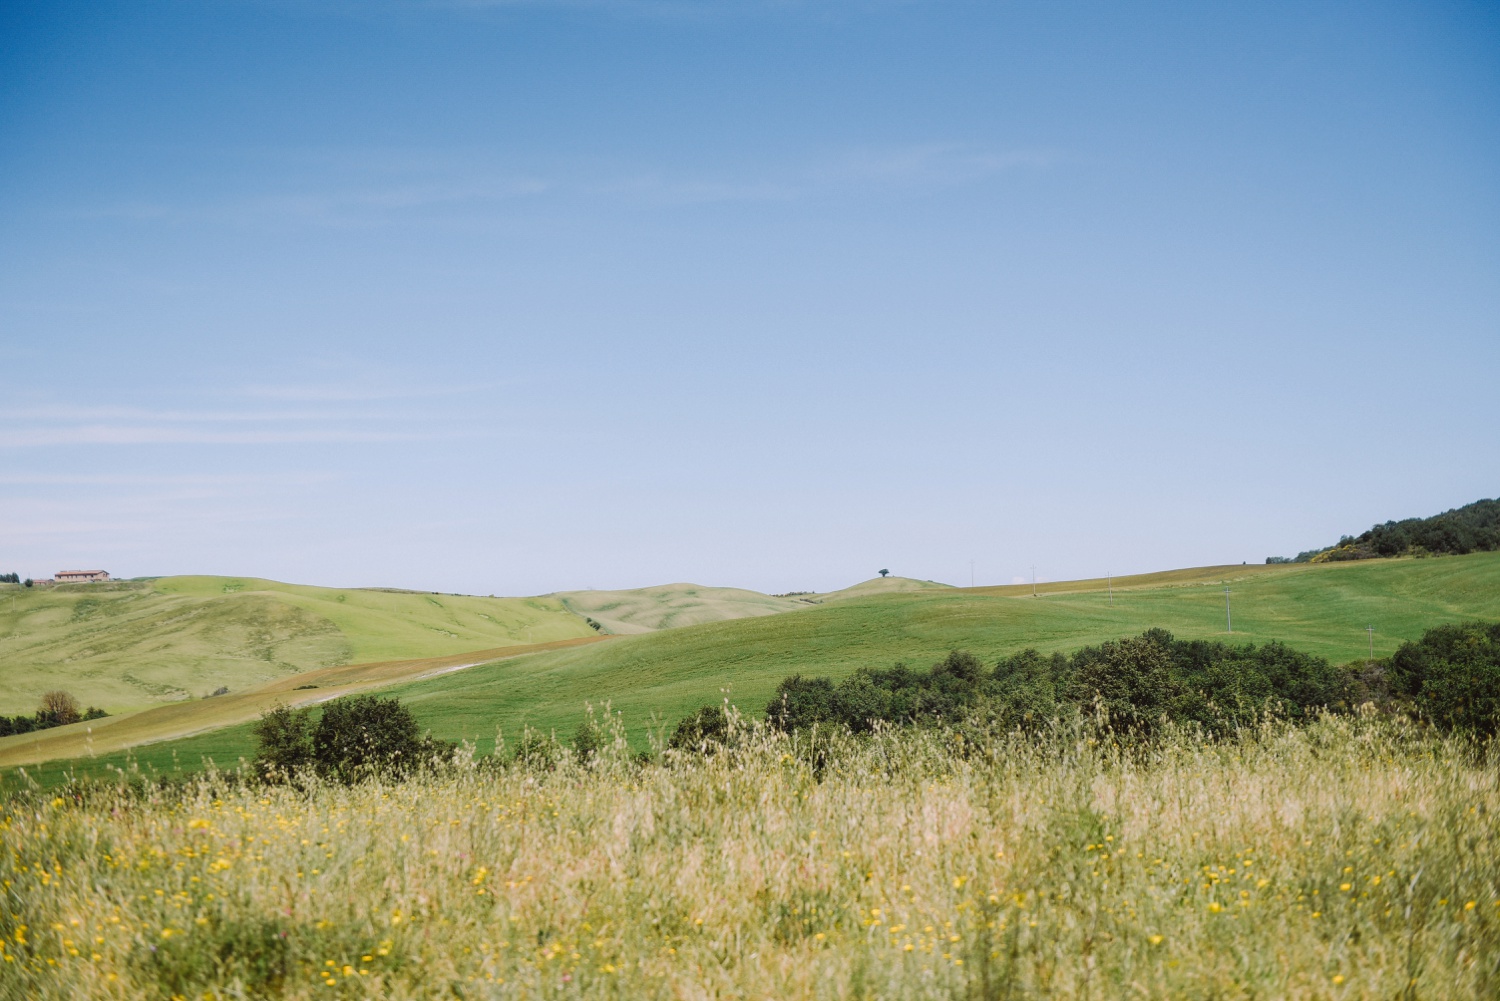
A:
[1352,859]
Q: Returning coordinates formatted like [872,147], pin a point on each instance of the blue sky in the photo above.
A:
[514,297]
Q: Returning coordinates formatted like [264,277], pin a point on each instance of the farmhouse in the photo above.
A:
[77,576]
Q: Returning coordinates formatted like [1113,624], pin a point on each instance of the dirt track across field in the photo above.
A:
[183,719]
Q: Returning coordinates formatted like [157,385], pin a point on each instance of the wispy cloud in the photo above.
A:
[690,191]
[344,392]
[59,412]
[190,480]
[928,164]
[335,205]
[347,411]
[389,187]
[864,171]
[117,434]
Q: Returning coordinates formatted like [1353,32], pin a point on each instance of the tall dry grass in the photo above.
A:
[1356,858]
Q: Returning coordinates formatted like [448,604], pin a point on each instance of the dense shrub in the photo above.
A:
[1138,681]
[588,739]
[537,750]
[706,730]
[364,733]
[1452,676]
[356,736]
[284,744]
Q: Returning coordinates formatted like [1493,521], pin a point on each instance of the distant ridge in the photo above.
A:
[1473,528]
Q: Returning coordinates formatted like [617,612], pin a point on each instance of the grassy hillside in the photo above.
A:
[881,585]
[182,719]
[1322,609]
[671,606]
[128,645]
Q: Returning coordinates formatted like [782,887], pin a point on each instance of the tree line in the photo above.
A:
[56,708]
[1449,678]
[1473,528]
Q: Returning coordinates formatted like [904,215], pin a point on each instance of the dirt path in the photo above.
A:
[183,719]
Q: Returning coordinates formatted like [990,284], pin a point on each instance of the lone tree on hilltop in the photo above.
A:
[58,708]
[885,573]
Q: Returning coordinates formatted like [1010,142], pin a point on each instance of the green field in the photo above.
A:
[127,645]
[1323,609]
[131,644]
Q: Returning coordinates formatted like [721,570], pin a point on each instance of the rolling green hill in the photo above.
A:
[670,606]
[1320,608]
[127,645]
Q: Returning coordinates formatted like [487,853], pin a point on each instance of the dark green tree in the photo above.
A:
[1131,678]
[360,735]
[1452,676]
[536,750]
[800,703]
[589,740]
[283,742]
[706,731]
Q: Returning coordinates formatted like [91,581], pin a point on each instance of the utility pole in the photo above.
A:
[1033,580]
[1111,579]
[1228,622]
[1371,631]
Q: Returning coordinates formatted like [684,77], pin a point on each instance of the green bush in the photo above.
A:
[283,742]
[588,740]
[361,734]
[357,736]
[705,731]
[1452,676]
[537,750]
